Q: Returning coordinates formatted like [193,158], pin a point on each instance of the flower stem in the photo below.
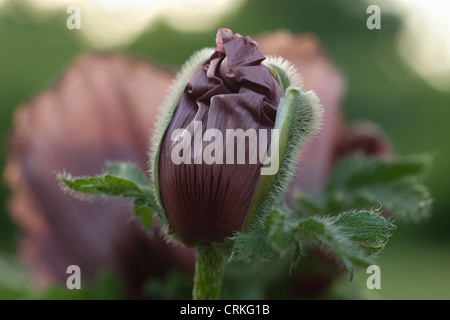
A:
[209,270]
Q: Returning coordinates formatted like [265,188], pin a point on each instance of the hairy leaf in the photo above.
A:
[120,180]
[253,245]
[353,236]
[134,174]
[279,232]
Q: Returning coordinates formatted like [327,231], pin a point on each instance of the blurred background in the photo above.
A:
[397,76]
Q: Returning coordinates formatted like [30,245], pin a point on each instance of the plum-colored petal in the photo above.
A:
[103,108]
[207,202]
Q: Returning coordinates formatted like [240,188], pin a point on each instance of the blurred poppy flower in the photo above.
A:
[103,109]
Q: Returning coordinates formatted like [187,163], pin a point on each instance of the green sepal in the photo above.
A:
[299,116]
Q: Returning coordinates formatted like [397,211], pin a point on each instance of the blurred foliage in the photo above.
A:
[381,87]
[394,185]
[15,283]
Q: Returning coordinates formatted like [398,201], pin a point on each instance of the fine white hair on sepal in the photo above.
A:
[167,109]
[287,66]
[306,118]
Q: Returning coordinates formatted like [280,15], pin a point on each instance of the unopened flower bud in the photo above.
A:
[227,143]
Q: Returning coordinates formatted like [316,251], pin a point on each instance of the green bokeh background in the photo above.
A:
[381,87]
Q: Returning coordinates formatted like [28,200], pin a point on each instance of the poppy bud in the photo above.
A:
[226,145]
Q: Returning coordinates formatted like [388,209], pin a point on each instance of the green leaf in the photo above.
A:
[353,236]
[102,185]
[145,214]
[279,232]
[368,228]
[129,172]
[120,180]
[359,182]
[253,245]
[295,257]
[135,175]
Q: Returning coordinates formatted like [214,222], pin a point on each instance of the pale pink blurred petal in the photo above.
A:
[103,108]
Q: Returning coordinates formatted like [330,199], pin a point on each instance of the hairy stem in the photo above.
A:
[209,270]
